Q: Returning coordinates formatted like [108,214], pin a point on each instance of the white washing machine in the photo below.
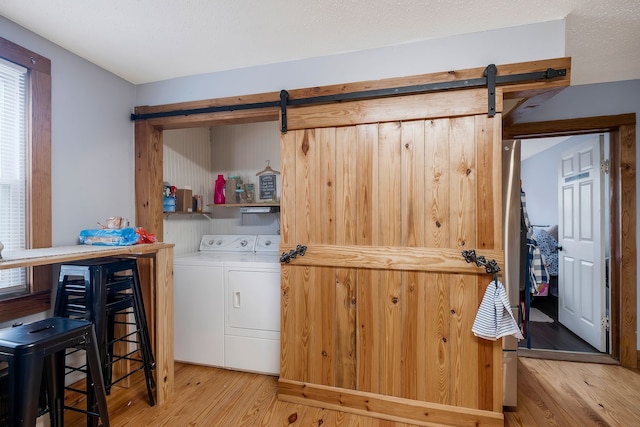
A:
[227,303]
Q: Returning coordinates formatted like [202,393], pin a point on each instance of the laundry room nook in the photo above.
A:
[194,157]
[226,265]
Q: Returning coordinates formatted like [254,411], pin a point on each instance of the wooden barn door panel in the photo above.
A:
[346,180]
[382,301]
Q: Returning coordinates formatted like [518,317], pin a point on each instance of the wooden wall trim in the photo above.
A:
[568,127]
[148,178]
[628,256]
[209,119]
[615,244]
[530,101]
[25,305]
[393,258]
[385,407]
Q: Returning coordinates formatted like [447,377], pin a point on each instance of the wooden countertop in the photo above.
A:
[59,254]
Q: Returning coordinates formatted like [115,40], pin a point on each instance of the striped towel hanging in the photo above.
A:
[495,318]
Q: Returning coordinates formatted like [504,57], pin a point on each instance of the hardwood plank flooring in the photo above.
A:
[551,393]
[560,393]
[553,336]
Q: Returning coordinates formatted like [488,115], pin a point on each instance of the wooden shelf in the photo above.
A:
[243,205]
[168,214]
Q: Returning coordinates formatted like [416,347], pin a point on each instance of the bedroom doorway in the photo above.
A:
[540,159]
[623,266]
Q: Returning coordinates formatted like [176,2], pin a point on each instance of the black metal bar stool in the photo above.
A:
[36,352]
[103,291]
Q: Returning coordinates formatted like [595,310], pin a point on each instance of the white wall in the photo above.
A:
[517,44]
[91,139]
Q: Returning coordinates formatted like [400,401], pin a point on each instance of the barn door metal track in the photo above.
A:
[490,80]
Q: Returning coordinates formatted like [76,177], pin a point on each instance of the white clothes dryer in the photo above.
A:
[252,310]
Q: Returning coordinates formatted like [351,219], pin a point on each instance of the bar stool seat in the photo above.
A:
[36,351]
[99,290]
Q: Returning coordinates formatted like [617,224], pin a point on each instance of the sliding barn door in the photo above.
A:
[386,194]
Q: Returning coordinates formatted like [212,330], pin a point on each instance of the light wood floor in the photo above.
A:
[551,393]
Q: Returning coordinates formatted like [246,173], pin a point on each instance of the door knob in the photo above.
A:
[559,248]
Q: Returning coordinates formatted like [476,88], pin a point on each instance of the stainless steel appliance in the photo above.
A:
[511,215]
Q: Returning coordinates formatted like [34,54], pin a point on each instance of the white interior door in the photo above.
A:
[581,273]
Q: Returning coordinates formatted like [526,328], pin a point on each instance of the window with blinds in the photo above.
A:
[13,144]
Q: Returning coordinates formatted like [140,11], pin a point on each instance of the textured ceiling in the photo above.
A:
[149,40]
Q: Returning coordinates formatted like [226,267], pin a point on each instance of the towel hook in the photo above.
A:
[491,267]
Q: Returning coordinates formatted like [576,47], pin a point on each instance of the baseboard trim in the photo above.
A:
[569,356]
[385,407]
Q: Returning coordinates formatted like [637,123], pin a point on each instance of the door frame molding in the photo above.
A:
[622,182]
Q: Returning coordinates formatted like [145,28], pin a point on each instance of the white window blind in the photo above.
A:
[13,144]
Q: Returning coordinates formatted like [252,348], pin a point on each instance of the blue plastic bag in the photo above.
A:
[109,237]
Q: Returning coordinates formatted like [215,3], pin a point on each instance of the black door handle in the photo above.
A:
[558,248]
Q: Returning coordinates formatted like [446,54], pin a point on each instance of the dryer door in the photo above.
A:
[253,302]
[252,319]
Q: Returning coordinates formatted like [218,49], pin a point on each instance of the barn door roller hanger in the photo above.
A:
[491,80]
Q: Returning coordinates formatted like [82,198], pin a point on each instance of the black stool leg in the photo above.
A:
[108,358]
[143,336]
[145,352]
[95,390]
[137,298]
[98,308]
[59,307]
[25,374]
[54,377]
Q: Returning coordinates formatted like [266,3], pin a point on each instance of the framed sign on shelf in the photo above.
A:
[267,187]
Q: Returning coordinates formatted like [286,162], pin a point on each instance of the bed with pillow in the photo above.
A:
[547,241]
